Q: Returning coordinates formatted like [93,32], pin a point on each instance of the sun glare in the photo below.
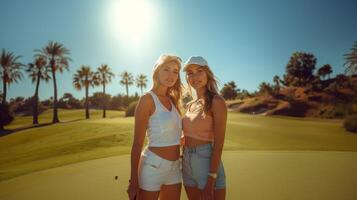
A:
[132,20]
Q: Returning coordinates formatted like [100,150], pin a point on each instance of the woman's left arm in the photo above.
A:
[219,111]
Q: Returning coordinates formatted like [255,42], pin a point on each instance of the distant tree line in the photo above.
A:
[300,72]
[21,105]
[54,58]
[48,62]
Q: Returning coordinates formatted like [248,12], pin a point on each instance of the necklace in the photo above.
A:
[199,100]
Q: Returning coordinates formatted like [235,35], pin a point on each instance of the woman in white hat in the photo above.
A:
[156,172]
[204,127]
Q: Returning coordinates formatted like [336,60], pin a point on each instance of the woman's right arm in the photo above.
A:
[142,115]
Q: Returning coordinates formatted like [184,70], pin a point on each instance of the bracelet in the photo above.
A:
[213,175]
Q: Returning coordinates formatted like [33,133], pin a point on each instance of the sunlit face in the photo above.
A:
[196,76]
[168,74]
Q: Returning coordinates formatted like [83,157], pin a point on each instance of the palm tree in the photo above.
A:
[10,71]
[84,77]
[57,55]
[126,79]
[351,61]
[38,71]
[141,81]
[276,80]
[328,69]
[324,70]
[321,73]
[104,75]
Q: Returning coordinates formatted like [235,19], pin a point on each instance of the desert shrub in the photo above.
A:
[131,109]
[350,123]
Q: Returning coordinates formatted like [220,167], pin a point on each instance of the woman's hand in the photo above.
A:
[133,190]
[208,191]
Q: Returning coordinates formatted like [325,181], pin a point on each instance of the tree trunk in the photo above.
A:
[3,100]
[127,90]
[55,109]
[86,103]
[35,102]
[104,102]
[4,92]
[141,88]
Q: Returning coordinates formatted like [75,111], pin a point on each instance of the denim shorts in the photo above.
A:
[196,165]
[155,171]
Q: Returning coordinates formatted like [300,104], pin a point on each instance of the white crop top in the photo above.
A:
[165,127]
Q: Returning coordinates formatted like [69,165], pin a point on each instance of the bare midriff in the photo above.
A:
[171,153]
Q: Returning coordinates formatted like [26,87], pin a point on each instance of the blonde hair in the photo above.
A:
[211,87]
[174,92]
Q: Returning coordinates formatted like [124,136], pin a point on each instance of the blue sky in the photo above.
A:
[246,41]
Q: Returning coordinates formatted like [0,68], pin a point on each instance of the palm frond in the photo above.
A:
[104,74]
[351,60]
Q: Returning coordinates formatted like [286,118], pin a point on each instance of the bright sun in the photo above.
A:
[132,20]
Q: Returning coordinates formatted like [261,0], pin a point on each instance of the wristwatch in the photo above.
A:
[213,175]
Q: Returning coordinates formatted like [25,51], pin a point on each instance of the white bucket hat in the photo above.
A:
[198,60]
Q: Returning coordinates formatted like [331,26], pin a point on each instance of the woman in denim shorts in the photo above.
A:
[204,127]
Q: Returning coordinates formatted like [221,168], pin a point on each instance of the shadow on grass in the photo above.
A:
[7,132]
[69,121]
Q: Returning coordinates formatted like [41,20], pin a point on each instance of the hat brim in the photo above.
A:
[187,65]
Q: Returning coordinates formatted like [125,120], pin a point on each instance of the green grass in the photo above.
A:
[277,175]
[73,140]
[76,139]
[250,132]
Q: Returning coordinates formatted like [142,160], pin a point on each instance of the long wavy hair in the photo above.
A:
[174,92]
[211,88]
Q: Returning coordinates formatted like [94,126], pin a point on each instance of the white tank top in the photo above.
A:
[165,127]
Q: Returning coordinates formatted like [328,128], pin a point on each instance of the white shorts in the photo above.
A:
[155,171]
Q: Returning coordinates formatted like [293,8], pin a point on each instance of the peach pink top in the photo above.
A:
[197,124]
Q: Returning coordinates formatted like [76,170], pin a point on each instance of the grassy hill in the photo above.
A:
[75,139]
[300,102]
